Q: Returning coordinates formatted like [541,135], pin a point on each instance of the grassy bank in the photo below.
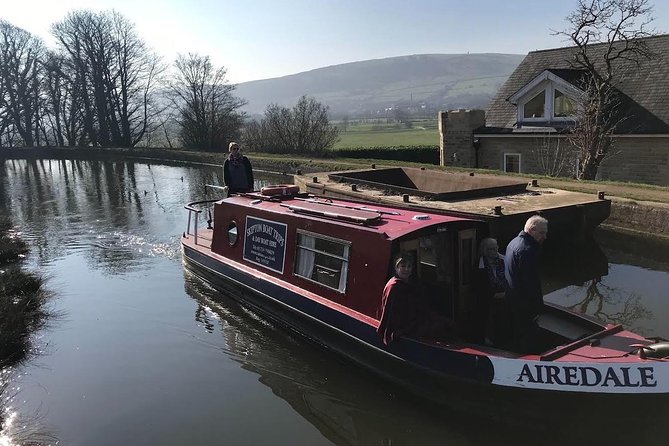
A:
[292,163]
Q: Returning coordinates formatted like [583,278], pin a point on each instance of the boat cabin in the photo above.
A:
[342,251]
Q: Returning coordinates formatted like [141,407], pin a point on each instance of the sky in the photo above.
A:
[261,39]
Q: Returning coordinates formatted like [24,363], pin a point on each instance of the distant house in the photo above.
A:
[526,125]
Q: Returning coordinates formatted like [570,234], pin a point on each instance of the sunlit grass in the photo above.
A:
[386,134]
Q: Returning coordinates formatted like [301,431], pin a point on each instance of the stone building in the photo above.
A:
[525,128]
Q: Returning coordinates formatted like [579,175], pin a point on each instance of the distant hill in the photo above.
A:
[427,81]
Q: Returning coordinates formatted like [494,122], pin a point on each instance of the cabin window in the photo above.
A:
[322,259]
[434,257]
[512,162]
[232,233]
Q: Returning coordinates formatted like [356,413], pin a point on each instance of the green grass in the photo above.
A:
[382,134]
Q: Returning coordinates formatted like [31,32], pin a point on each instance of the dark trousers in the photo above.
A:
[526,335]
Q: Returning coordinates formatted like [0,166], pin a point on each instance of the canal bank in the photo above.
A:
[640,209]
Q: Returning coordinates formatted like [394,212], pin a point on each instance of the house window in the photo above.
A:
[512,162]
[534,108]
[322,259]
[563,105]
[547,97]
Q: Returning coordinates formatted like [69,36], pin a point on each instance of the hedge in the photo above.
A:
[418,153]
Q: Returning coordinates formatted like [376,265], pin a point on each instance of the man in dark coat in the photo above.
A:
[524,296]
[237,171]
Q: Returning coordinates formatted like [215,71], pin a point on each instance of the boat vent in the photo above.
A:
[421,217]
[323,210]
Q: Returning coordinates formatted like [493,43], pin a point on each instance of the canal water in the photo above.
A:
[142,353]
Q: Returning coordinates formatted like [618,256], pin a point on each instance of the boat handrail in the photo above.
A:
[564,349]
[213,186]
[190,207]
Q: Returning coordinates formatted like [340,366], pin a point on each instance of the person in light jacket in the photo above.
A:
[491,288]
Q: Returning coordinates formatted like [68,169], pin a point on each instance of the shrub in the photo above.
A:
[420,153]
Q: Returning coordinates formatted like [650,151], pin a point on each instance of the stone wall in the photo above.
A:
[647,217]
[638,160]
[492,150]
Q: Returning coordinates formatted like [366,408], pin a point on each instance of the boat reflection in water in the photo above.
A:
[346,404]
[350,406]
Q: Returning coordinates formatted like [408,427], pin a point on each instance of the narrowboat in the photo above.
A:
[318,265]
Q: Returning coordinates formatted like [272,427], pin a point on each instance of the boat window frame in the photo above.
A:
[344,243]
[233,225]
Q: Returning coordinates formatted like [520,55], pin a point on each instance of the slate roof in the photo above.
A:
[644,88]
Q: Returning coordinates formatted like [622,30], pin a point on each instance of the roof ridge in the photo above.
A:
[655,36]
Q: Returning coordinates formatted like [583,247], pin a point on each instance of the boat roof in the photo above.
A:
[391,221]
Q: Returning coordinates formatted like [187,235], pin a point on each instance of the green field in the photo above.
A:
[383,134]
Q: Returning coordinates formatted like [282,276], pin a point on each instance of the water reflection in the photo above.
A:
[347,405]
[622,283]
[114,211]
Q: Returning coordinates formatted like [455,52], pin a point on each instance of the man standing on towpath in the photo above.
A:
[521,268]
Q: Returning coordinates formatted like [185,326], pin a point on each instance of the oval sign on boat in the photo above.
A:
[421,217]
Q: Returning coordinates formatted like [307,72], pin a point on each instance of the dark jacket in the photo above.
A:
[238,178]
[521,265]
[489,280]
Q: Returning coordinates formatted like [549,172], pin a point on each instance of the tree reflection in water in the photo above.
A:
[619,284]
[626,310]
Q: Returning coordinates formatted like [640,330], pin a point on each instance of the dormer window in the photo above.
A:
[534,108]
[563,105]
[547,98]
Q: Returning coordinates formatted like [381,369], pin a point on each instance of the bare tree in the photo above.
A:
[63,115]
[619,26]
[208,112]
[304,129]
[256,135]
[113,74]
[20,83]
[554,155]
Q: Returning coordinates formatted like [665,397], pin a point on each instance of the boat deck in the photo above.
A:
[505,204]
[204,237]
[534,199]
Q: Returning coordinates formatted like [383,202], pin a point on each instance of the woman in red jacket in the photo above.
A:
[405,311]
